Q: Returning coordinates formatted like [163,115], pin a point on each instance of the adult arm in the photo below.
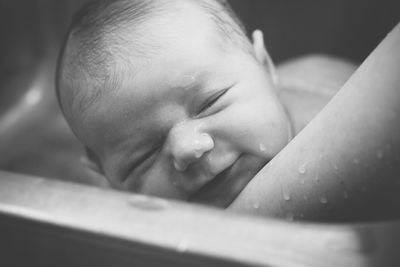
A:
[345,165]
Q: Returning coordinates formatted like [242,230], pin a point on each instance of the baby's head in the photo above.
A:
[170,98]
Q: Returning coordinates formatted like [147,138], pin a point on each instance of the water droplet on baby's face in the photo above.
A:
[286,196]
[198,154]
[323,200]
[302,168]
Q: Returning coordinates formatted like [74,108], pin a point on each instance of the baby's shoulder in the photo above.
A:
[308,83]
[319,74]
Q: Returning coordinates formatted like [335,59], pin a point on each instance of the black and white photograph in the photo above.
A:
[200,133]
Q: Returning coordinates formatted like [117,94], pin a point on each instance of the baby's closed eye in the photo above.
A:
[205,108]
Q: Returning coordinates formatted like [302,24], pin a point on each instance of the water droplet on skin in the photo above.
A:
[203,143]
[379,154]
[256,206]
[286,196]
[290,216]
[182,246]
[262,148]
[302,168]
[345,195]
[356,161]
[323,200]
[198,154]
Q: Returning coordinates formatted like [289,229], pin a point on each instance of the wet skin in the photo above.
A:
[196,123]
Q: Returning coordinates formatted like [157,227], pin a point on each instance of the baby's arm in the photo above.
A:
[345,165]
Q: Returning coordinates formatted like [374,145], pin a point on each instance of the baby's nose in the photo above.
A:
[187,145]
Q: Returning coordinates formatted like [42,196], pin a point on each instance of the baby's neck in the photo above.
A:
[301,107]
[306,85]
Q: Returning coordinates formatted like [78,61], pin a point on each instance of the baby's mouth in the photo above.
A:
[226,186]
[223,188]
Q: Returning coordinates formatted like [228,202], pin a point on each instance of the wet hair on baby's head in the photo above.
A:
[97,52]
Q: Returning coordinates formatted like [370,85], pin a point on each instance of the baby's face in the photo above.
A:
[196,124]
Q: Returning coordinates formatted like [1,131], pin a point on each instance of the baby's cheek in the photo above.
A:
[161,180]
[269,132]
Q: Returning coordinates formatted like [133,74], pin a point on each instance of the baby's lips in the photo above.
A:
[210,192]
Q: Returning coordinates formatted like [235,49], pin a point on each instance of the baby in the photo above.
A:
[170,98]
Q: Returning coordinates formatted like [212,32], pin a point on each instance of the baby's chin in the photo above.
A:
[225,187]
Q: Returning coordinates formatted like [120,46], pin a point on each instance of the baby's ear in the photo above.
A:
[91,163]
[262,54]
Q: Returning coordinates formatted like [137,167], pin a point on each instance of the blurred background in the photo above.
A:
[34,138]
